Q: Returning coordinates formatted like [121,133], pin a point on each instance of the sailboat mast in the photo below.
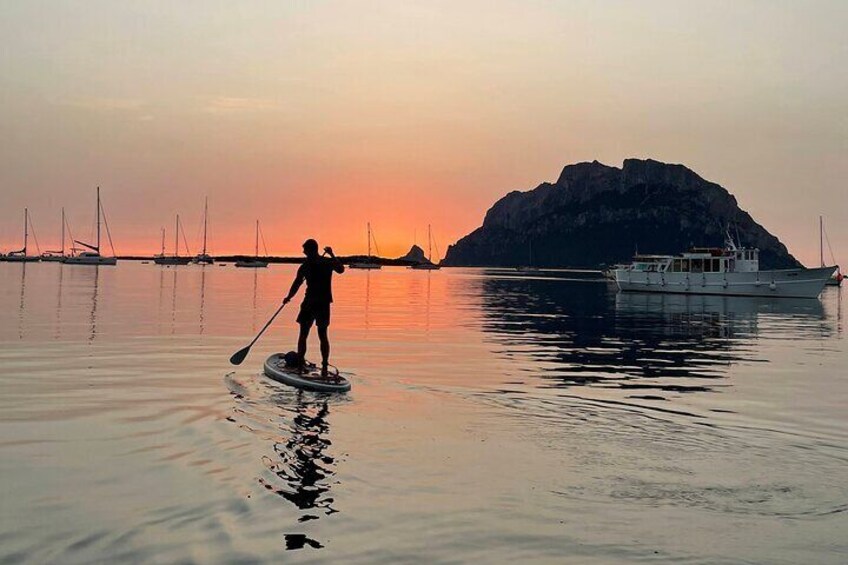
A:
[63,230]
[177,238]
[256,248]
[821,240]
[163,243]
[98,219]
[369,240]
[429,245]
[26,229]
[205,218]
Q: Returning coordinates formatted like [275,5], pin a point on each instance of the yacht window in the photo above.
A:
[684,265]
[716,265]
[697,265]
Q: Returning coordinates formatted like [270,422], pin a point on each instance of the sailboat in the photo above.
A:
[21,255]
[93,257]
[528,268]
[57,256]
[174,259]
[204,258]
[836,279]
[369,262]
[162,251]
[254,263]
[428,265]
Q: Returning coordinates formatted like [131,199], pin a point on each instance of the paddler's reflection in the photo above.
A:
[304,465]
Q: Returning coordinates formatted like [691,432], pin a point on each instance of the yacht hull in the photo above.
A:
[788,283]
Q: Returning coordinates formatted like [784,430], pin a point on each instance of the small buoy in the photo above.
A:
[772,286]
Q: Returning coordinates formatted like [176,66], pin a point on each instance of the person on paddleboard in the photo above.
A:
[317,271]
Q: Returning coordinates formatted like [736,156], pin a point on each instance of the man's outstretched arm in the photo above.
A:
[298,280]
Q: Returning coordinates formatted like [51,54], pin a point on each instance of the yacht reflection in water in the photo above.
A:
[586,334]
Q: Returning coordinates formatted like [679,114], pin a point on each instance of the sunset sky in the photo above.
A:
[318,116]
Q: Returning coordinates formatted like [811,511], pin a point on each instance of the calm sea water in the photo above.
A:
[494,417]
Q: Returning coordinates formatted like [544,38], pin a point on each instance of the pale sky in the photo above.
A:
[316,117]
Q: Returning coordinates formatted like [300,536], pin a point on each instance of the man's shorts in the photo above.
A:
[319,314]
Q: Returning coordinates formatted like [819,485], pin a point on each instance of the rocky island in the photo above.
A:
[595,215]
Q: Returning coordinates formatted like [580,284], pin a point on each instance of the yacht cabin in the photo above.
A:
[700,260]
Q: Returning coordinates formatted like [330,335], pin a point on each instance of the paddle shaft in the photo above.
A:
[265,327]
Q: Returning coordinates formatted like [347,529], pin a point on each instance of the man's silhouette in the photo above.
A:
[317,271]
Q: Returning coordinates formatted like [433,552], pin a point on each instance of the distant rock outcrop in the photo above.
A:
[415,255]
[596,215]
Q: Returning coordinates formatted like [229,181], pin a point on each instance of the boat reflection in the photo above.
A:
[579,334]
[23,300]
[202,297]
[93,316]
[58,322]
[720,316]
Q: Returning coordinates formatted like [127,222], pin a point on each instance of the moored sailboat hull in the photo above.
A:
[203,260]
[90,259]
[20,259]
[171,260]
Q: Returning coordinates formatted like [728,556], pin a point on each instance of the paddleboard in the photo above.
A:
[308,379]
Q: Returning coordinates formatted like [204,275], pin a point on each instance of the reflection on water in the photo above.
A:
[95,285]
[495,416]
[23,295]
[202,298]
[302,464]
[588,334]
[300,467]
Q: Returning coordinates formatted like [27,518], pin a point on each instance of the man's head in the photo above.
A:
[310,248]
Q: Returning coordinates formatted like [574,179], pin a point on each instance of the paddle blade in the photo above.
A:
[239,356]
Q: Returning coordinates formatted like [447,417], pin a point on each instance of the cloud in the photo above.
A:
[104,103]
[231,104]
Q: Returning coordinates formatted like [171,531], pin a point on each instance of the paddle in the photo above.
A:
[240,355]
